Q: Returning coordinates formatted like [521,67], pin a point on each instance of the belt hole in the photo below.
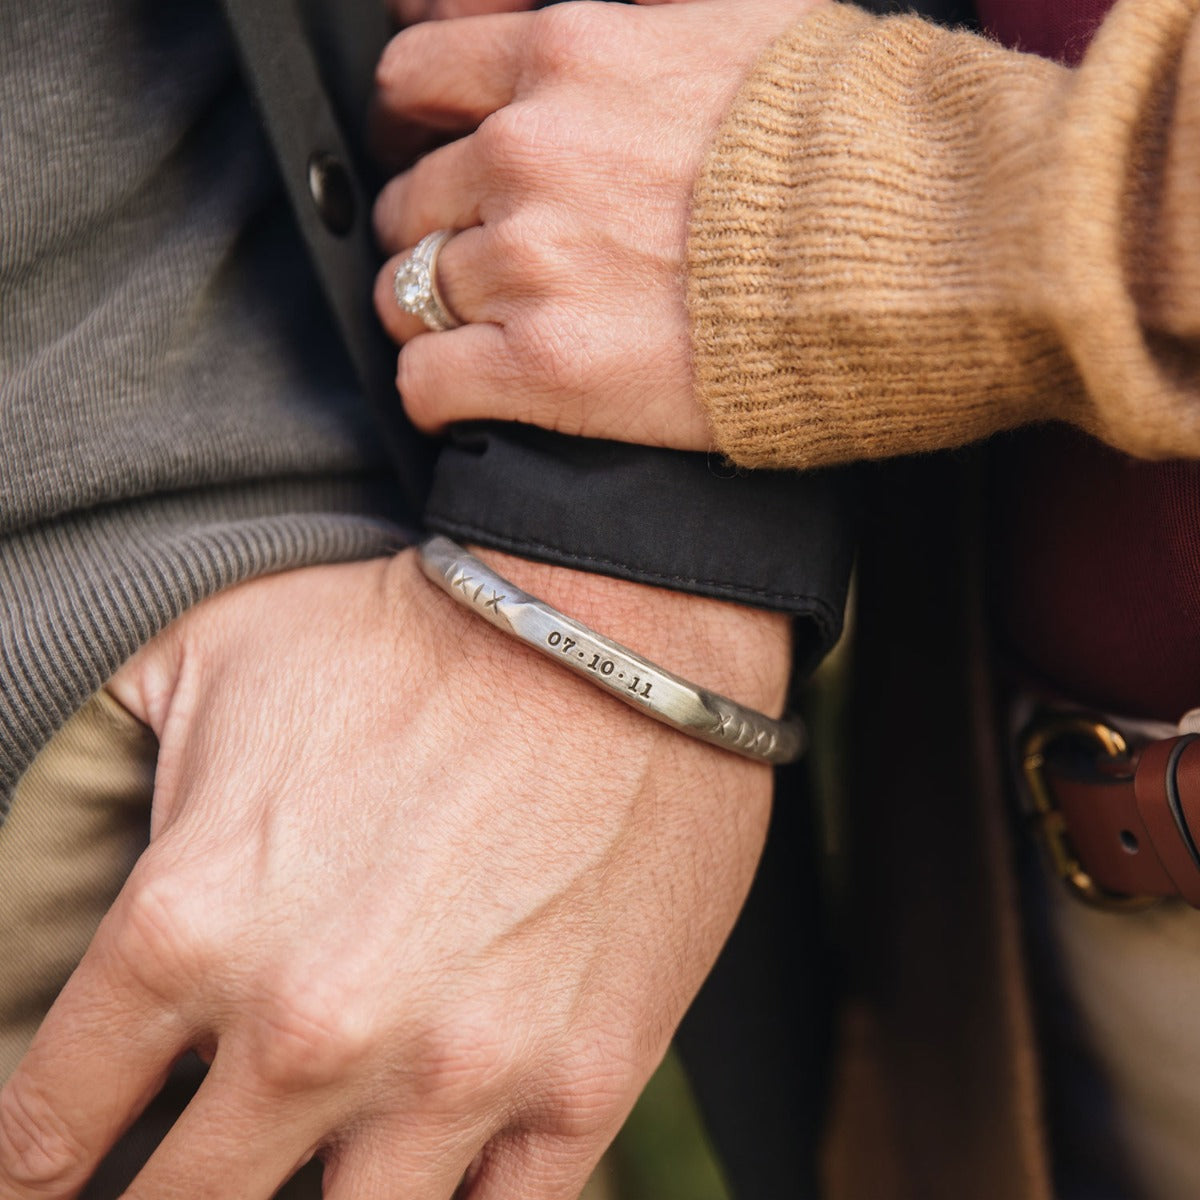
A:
[1129,842]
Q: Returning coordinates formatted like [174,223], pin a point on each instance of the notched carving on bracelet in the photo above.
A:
[762,742]
[463,582]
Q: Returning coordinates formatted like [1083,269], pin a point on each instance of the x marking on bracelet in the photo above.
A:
[463,581]
[763,741]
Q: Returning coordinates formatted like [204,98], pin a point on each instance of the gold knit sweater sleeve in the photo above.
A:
[906,238]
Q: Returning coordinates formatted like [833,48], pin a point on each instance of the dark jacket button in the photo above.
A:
[332,192]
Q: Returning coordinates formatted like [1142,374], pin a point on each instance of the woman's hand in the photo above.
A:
[409,12]
[584,127]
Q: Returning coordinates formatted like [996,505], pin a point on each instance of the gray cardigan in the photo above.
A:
[176,413]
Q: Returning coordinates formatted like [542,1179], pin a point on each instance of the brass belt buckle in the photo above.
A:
[1049,823]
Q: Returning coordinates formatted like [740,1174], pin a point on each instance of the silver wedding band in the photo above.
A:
[416,284]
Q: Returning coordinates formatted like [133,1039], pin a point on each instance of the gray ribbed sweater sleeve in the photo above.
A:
[176,414]
[83,593]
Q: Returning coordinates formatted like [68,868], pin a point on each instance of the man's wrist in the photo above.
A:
[742,652]
[609,665]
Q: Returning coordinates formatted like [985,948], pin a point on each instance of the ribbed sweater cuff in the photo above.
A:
[80,595]
[899,230]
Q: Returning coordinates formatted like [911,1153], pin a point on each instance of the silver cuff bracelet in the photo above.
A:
[657,693]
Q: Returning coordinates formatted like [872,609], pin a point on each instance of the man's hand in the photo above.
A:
[585,126]
[431,905]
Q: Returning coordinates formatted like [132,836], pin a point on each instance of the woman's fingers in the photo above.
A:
[409,12]
[442,191]
[501,374]
[465,364]
[466,280]
[524,353]
[451,76]
[481,366]
[440,79]
[583,129]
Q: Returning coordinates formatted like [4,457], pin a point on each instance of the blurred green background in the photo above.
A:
[662,1153]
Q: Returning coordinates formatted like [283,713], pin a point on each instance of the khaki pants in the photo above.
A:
[1126,1028]
[80,819]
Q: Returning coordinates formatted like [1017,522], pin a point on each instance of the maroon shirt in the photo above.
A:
[1058,29]
[1096,556]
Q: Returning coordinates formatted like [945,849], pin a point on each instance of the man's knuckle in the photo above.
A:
[38,1152]
[589,1109]
[299,1042]
[162,932]
[591,1090]
[465,1056]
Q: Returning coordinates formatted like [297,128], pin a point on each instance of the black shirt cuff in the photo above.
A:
[770,539]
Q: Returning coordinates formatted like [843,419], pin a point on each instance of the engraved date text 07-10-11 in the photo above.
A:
[599,664]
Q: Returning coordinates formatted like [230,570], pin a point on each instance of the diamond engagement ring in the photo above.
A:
[416,285]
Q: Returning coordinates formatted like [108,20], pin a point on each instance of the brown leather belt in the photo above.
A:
[1120,817]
